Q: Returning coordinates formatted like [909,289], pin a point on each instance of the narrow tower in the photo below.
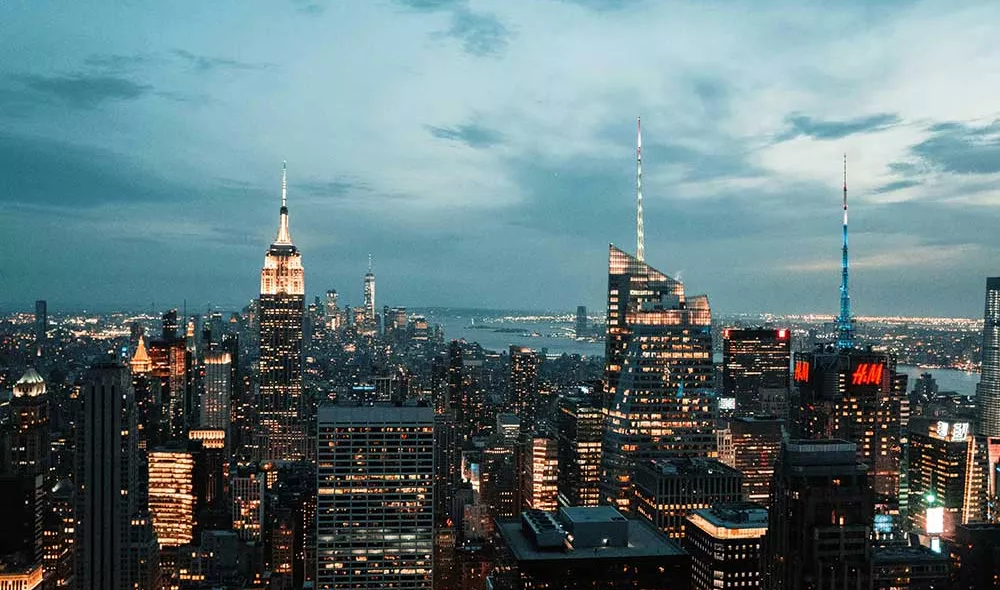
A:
[640,249]
[281,431]
[845,322]
[369,294]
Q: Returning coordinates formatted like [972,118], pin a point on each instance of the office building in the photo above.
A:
[282,305]
[948,470]
[988,390]
[756,443]
[580,430]
[755,373]
[858,396]
[368,323]
[171,383]
[820,520]
[248,504]
[217,398]
[668,490]
[659,366]
[582,324]
[725,546]
[106,478]
[171,494]
[375,502]
[524,386]
[539,476]
[592,547]
[500,482]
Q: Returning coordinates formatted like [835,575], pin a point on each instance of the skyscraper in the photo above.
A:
[375,520]
[282,305]
[539,489]
[756,444]
[171,494]
[988,390]
[947,469]
[369,294]
[217,398]
[582,326]
[819,526]
[106,479]
[524,385]
[580,425]
[659,400]
[854,393]
[755,376]
[660,362]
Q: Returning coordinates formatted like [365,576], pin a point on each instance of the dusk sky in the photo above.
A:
[484,151]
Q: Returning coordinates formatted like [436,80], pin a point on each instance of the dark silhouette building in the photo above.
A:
[755,374]
[820,520]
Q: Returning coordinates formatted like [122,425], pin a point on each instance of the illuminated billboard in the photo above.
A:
[935,520]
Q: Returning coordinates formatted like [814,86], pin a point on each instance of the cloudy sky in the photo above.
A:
[483,150]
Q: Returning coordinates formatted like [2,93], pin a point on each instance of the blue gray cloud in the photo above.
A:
[83,90]
[799,125]
[204,63]
[962,148]
[471,134]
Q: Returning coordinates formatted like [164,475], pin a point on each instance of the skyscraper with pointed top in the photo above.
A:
[282,430]
[845,321]
[850,392]
[369,294]
[658,399]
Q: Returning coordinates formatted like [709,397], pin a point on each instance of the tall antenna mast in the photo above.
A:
[284,183]
[640,250]
[845,322]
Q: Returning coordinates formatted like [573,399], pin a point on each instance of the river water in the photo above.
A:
[496,330]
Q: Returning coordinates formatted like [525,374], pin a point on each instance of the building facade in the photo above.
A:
[375,502]
[659,373]
[668,490]
[755,374]
[725,546]
[820,520]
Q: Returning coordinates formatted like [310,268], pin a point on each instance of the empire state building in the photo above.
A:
[282,299]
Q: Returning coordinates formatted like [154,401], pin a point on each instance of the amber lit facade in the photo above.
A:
[539,476]
[171,496]
[659,373]
[282,305]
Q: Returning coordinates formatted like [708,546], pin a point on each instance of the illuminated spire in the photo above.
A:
[369,263]
[284,237]
[845,322]
[640,250]
[141,362]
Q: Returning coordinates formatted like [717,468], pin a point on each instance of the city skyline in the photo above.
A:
[534,144]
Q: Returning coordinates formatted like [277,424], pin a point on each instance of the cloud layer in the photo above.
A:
[484,150]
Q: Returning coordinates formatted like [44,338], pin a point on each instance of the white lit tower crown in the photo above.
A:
[282,299]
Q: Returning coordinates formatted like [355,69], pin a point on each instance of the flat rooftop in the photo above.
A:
[577,514]
[643,541]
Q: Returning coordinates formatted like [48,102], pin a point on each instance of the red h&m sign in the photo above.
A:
[867,374]
[801,371]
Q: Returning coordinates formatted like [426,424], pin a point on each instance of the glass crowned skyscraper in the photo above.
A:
[659,374]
